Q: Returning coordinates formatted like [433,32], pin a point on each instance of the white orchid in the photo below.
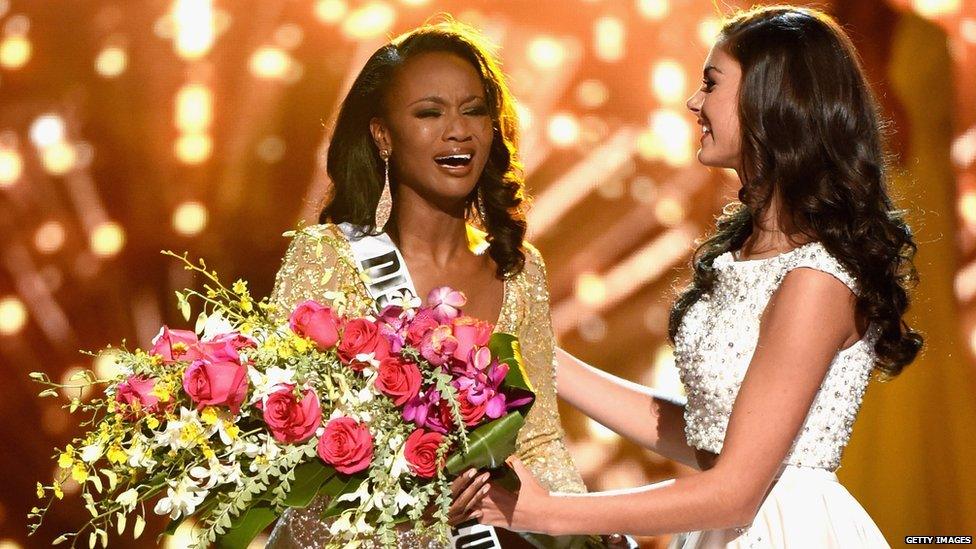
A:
[186,432]
[216,325]
[182,498]
[91,453]
[128,499]
[263,384]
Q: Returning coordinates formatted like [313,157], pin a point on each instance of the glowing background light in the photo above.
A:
[193,148]
[592,94]
[194,22]
[11,167]
[190,218]
[668,81]
[194,108]
[708,30]
[546,52]
[15,52]
[330,11]
[564,130]
[653,9]
[13,315]
[590,289]
[270,62]
[47,130]
[111,61]
[670,137]
[369,21]
[107,239]
[610,39]
[936,8]
[59,158]
[49,237]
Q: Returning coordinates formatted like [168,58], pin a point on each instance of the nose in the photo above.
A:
[458,128]
[694,102]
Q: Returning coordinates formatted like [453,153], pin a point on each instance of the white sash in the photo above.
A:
[379,259]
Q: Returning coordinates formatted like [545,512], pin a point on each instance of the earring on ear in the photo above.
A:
[385,204]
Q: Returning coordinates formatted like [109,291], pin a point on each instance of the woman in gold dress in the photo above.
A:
[425,142]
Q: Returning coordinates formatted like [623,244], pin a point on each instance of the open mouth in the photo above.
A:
[454,160]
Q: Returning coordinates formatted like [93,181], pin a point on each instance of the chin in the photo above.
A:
[712,161]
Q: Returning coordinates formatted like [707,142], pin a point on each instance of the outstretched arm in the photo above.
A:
[646,416]
[807,322]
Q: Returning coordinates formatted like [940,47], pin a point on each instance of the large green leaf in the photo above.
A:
[309,478]
[505,348]
[246,527]
[489,444]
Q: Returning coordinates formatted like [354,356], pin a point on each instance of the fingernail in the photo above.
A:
[484,490]
[485,476]
[469,474]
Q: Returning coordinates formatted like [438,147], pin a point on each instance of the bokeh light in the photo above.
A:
[15,52]
[546,52]
[111,61]
[59,158]
[13,315]
[370,21]
[668,81]
[190,218]
[270,62]
[49,237]
[564,130]
[11,166]
[610,39]
[195,27]
[107,239]
[330,11]
[653,9]
[194,108]
[47,130]
[193,148]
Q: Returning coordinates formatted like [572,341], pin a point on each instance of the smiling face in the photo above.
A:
[716,106]
[438,127]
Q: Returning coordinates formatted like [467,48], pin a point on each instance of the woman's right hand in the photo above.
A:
[467,490]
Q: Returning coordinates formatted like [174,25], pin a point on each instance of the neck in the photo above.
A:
[427,231]
[771,232]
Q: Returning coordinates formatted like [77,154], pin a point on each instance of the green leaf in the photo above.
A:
[489,444]
[246,527]
[338,485]
[505,348]
[309,477]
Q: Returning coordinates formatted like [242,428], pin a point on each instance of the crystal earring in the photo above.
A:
[385,204]
[481,209]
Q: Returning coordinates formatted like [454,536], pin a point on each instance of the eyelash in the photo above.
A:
[707,85]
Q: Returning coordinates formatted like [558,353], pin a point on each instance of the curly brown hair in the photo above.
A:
[355,166]
[812,137]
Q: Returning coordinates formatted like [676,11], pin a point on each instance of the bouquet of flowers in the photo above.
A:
[255,411]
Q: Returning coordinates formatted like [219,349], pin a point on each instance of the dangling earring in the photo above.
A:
[481,209]
[385,204]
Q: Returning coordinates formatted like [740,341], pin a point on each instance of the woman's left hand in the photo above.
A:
[518,512]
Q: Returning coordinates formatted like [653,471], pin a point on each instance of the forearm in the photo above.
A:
[699,502]
[646,416]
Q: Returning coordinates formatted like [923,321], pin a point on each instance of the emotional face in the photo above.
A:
[716,106]
[438,127]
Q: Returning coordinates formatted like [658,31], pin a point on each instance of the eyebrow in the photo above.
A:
[712,68]
[441,101]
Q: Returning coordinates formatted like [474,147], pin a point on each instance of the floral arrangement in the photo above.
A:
[257,410]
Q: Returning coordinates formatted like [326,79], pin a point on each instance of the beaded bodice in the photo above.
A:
[319,265]
[717,338]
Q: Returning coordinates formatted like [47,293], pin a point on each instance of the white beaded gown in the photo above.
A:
[807,506]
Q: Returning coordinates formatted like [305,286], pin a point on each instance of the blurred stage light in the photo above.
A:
[15,52]
[59,158]
[111,61]
[10,543]
[936,8]
[190,218]
[330,11]
[600,432]
[669,211]
[289,36]
[564,130]
[369,21]
[671,135]
[49,237]
[653,9]
[13,315]
[592,328]
[194,21]
[107,239]
[610,39]
[524,116]
[11,167]
[593,130]
[592,94]
[708,30]
[967,207]
[193,148]
[643,189]
[194,108]
[546,52]
[106,365]
[590,289]
[270,62]
[271,149]
[967,29]
[47,130]
[963,150]
[415,2]
[668,81]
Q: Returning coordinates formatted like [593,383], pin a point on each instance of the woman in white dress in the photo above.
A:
[795,300]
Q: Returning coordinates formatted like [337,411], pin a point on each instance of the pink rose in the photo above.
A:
[135,394]
[420,326]
[446,303]
[470,333]
[225,347]
[346,445]
[216,384]
[175,345]
[421,453]
[398,379]
[291,420]
[316,322]
[362,337]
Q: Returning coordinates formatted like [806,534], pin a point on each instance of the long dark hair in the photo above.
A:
[812,137]
[355,166]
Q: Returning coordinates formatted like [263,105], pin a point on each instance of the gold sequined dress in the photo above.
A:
[320,261]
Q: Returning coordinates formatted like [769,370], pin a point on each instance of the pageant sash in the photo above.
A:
[387,278]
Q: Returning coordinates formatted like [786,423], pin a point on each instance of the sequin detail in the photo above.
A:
[718,336]
[319,265]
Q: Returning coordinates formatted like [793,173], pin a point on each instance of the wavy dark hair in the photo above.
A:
[355,166]
[812,138]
